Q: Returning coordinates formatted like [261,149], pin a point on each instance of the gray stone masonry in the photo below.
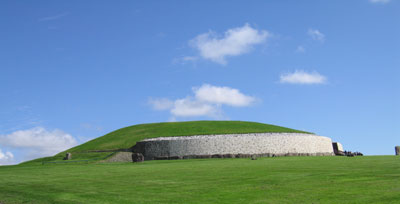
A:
[137,157]
[235,145]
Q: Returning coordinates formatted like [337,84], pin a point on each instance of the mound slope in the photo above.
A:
[128,136]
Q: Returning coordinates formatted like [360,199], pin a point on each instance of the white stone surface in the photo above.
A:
[340,146]
[255,143]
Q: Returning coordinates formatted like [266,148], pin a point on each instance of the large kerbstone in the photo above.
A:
[68,156]
[137,157]
[397,149]
[337,148]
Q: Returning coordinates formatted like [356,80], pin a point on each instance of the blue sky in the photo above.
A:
[71,71]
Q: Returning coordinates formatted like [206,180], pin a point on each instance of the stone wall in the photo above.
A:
[270,144]
[338,148]
[120,157]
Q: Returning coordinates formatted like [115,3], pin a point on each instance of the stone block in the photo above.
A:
[337,148]
[137,157]
[203,156]
[217,156]
[243,155]
[174,157]
[68,156]
[161,158]
[229,156]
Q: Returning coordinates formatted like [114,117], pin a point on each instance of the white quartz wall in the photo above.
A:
[340,146]
[256,143]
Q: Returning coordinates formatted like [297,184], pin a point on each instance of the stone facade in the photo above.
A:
[235,145]
[338,148]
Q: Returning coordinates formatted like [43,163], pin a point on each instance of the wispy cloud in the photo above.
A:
[222,95]
[235,41]
[19,117]
[302,77]
[185,59]
[89,126]
[300,49]
[316,35]
[6,158]
[379,1]
[55,17]
[205,101]
[161,103]
[189,58]
[38,141]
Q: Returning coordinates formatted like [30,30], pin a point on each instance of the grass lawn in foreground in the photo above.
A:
[368,179]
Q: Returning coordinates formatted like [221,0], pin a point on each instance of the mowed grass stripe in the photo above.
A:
[371,179]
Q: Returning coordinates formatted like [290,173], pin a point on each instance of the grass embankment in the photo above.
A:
[372,179]
[88,157]
[128,136]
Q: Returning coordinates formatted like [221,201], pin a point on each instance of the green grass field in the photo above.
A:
[368,179]
[373,179]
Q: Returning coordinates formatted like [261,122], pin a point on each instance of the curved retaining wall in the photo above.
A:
[235,145]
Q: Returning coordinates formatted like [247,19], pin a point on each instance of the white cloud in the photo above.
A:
[188,108]
[88,126]
[161,103]
[189,58]
[222,95]
[55,17]
[316,35]
[6,158]
[236,41]
[207,101]
[380,1]
[302,77]
[300,49]
[38,141]
[185,60]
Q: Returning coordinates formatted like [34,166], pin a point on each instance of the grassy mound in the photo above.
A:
[127,137]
